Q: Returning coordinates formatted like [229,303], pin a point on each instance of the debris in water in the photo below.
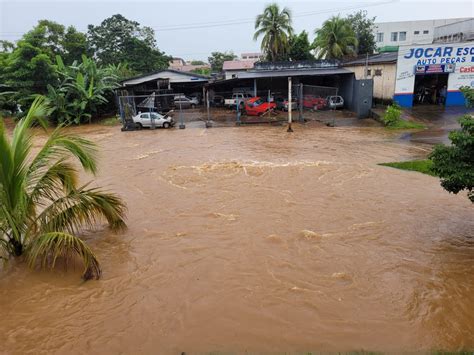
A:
[310,235]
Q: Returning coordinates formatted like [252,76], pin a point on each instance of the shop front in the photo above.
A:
[433,74]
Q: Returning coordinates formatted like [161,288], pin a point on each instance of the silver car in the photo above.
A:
[185,102]
[335,102]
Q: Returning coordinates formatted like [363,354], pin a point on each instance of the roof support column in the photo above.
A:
[254,87]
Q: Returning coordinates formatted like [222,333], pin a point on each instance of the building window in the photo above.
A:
[380,37]
[416,32]
[402,36]
[425,32]
[394,36]
[378,72]
[369,72]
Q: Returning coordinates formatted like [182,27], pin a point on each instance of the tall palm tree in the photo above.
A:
[41,205]
[335,39]
[275,26]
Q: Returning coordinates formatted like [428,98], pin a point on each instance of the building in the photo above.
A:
[255,56]
[268,79]
[180,64]
[232,68]
[426,71]
[164,80]
[462,31]
[381,68]
[405,33]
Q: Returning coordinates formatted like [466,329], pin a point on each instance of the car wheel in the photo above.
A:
[139,126]
[166,125]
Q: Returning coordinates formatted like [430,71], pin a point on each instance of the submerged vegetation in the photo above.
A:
[42,206]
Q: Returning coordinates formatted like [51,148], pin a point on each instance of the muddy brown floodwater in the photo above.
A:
[254,239]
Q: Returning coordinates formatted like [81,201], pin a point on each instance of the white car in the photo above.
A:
[335,102]
[146,119]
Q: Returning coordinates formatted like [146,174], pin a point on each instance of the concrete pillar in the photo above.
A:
[254,87]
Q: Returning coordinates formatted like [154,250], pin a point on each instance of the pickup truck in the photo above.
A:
[242,97]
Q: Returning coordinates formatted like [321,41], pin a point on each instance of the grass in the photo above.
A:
[422,166]
[111,121]
[402,124]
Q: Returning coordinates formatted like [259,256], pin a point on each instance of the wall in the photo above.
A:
[461,55]
[410,27]
[384,85]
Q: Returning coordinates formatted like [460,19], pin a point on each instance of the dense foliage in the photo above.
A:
[363,28]
[275,27]
[78,85]
[392,119]
[300,48]
[119,40]
[454,164]
[42,205]
[335,39]
[217,59]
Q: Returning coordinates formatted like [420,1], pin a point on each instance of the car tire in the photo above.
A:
[166,125]
[139,126]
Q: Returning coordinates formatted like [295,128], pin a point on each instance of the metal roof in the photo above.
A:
[159,75]
[292,72]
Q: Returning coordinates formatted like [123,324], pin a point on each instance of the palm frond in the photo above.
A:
[48,247]
[81,208]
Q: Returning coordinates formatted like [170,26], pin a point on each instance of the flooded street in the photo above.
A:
[255,239]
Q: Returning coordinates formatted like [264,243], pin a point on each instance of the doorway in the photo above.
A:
[430,89]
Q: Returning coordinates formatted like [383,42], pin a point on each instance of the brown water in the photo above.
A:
[253,239]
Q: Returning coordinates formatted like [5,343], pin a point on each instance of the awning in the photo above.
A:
[292,73]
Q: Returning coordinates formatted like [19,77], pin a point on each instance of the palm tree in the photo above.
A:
[275,26]
[41,205]
[335,39]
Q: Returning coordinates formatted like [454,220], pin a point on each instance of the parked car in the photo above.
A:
[282,103]
[185,102]
[240,96]
[335,102]
[314,102]
[217,101]
[146,119]
[257,107]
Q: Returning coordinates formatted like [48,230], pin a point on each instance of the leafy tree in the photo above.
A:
[43,207]
[454,164]
[197,62]
[275,26]
[335,39]
[217,59]
[202,71]
[363,27]
[119,40]
[299,47]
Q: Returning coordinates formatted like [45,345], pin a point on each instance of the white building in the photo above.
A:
[461,31]
[251,56]
[405,33]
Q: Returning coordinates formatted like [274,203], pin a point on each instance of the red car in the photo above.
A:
[313,102]
[255,106]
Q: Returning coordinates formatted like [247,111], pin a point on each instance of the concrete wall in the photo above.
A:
[384,85]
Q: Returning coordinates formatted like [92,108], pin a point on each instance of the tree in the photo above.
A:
[42,205]
[363,28]
[335,39]
[454,164]
[299,47]
[119,40]
[275,26]
[217,59]
[197,62]
[202,71]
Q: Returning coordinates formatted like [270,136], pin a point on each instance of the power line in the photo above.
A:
[225,23]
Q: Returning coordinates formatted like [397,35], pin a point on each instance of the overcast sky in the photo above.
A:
[182,27]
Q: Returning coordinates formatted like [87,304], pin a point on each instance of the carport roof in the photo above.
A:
[292,72]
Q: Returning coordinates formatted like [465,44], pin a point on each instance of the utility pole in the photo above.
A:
[289,105]
[366,66]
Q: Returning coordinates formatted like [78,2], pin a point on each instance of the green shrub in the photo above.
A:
[392,119]
[422,166]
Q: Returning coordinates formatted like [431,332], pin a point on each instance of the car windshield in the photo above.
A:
[258,102]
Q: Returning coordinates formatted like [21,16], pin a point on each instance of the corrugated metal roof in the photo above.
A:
[292,72]
[165,74]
